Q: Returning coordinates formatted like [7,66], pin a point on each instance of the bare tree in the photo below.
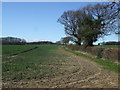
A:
[90,23]
[58,42]
[105,15]
[66,40]
[99,20]
[69,20]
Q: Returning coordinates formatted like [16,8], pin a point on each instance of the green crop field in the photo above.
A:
[36,62]
[31,64]
[11,49]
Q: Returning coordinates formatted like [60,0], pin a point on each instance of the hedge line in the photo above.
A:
[111,54]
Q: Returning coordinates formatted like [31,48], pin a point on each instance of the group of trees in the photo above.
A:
[19,41]
[111,43]
[40,42]
[88,24]
[12,40]
[64,40]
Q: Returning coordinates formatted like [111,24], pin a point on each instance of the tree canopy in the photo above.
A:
[91,22]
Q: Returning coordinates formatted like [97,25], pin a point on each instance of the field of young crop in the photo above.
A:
[53,66]
[11,49]
[31,64]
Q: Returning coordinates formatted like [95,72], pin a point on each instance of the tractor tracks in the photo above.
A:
[80,77]
[83,74]
[89,74]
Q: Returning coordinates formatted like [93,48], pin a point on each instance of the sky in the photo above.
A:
[36,21]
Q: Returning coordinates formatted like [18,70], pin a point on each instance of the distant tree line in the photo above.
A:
[19,41]
[12,40]
[111,43]
[41,42]
[88,24]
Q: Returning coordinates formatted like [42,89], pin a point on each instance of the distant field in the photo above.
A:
[32,64]
[11,49]
[108,46]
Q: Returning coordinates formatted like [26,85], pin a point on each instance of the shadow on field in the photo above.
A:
[24,51]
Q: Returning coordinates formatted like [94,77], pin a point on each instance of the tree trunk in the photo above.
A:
[78,43]
[86,44]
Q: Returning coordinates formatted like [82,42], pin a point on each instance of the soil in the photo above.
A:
[82,73]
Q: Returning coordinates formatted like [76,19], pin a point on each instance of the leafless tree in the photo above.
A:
[91,22]
[69,20]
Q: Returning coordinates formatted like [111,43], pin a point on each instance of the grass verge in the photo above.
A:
[109,65]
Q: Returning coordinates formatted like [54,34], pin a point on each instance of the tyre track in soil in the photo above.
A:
[67,84]
[24,51]
[88,75]
[99,74]
[78,80]
[16,54]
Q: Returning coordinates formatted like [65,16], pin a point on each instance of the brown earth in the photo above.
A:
[80,73]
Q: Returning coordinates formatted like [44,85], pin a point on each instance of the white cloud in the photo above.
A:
[35,40]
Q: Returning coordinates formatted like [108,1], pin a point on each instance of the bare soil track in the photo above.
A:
[83,74]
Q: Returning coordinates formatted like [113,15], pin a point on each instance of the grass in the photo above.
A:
[35,64]
[11,49]
[106,64]
[108,46]
[32,64]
